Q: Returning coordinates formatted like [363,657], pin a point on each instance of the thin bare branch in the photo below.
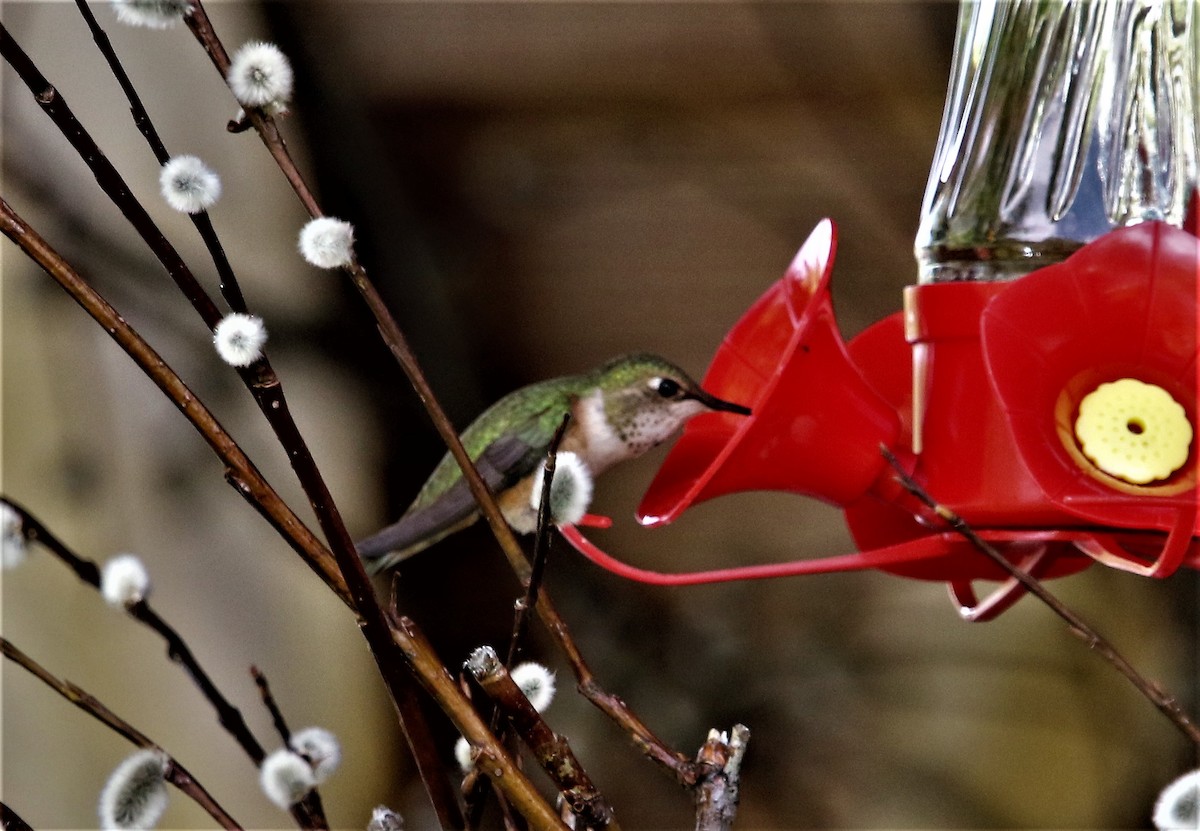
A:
[264,124]
[177,648]
[110,180]
[277,719]
[541,548]
[176,773]
[240,471]
[1167,704]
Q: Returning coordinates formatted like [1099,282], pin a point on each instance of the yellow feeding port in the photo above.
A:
[1134,431]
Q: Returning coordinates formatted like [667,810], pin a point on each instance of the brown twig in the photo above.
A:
[1166,703]
[307,815]
[472,786]
[264,689]
[720,759]
[176,774]
[259,378]
[263,123]
[268,393]
[541,547]
[492,758]
[33,530]
[550,750]
[648,744]
[179,652]
[389,330]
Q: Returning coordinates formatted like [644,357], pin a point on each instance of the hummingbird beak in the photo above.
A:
[720,405]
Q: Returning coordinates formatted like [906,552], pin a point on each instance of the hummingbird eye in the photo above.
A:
[668,388]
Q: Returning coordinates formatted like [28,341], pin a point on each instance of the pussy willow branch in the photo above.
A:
[176,774]
[1166,703]
[55,106]
[263,383]
[177,649]
[550,750]
[264,124]
[311,803]
[240,471]
[308,814]
[264,689]
[649,744]
[492,758]
[230,289]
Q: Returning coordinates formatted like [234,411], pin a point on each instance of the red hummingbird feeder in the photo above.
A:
[1041,381]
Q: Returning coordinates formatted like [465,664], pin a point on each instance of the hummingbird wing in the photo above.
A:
[422,526]
[502,456]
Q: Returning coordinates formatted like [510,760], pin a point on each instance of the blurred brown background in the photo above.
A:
[537,187]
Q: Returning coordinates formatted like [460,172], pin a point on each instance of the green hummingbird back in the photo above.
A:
[530,415]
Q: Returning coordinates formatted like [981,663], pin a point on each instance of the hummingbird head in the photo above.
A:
[647,398]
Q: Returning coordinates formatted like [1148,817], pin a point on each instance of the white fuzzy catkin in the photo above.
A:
[260,75]
[327,242]
[124,581]
[151,14]
[570,490]
[189,185]
[135,795]
[1178,806]
[13,547]
[463,755]
[286,777]
[384,818]
[321,748]
[239,338]
[536,682]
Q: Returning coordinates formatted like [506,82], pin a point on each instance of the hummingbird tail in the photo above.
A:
[397,542]
[388,548]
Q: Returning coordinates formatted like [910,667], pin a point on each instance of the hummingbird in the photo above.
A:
[618,412]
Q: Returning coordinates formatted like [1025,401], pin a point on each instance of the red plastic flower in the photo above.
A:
[1122,307]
